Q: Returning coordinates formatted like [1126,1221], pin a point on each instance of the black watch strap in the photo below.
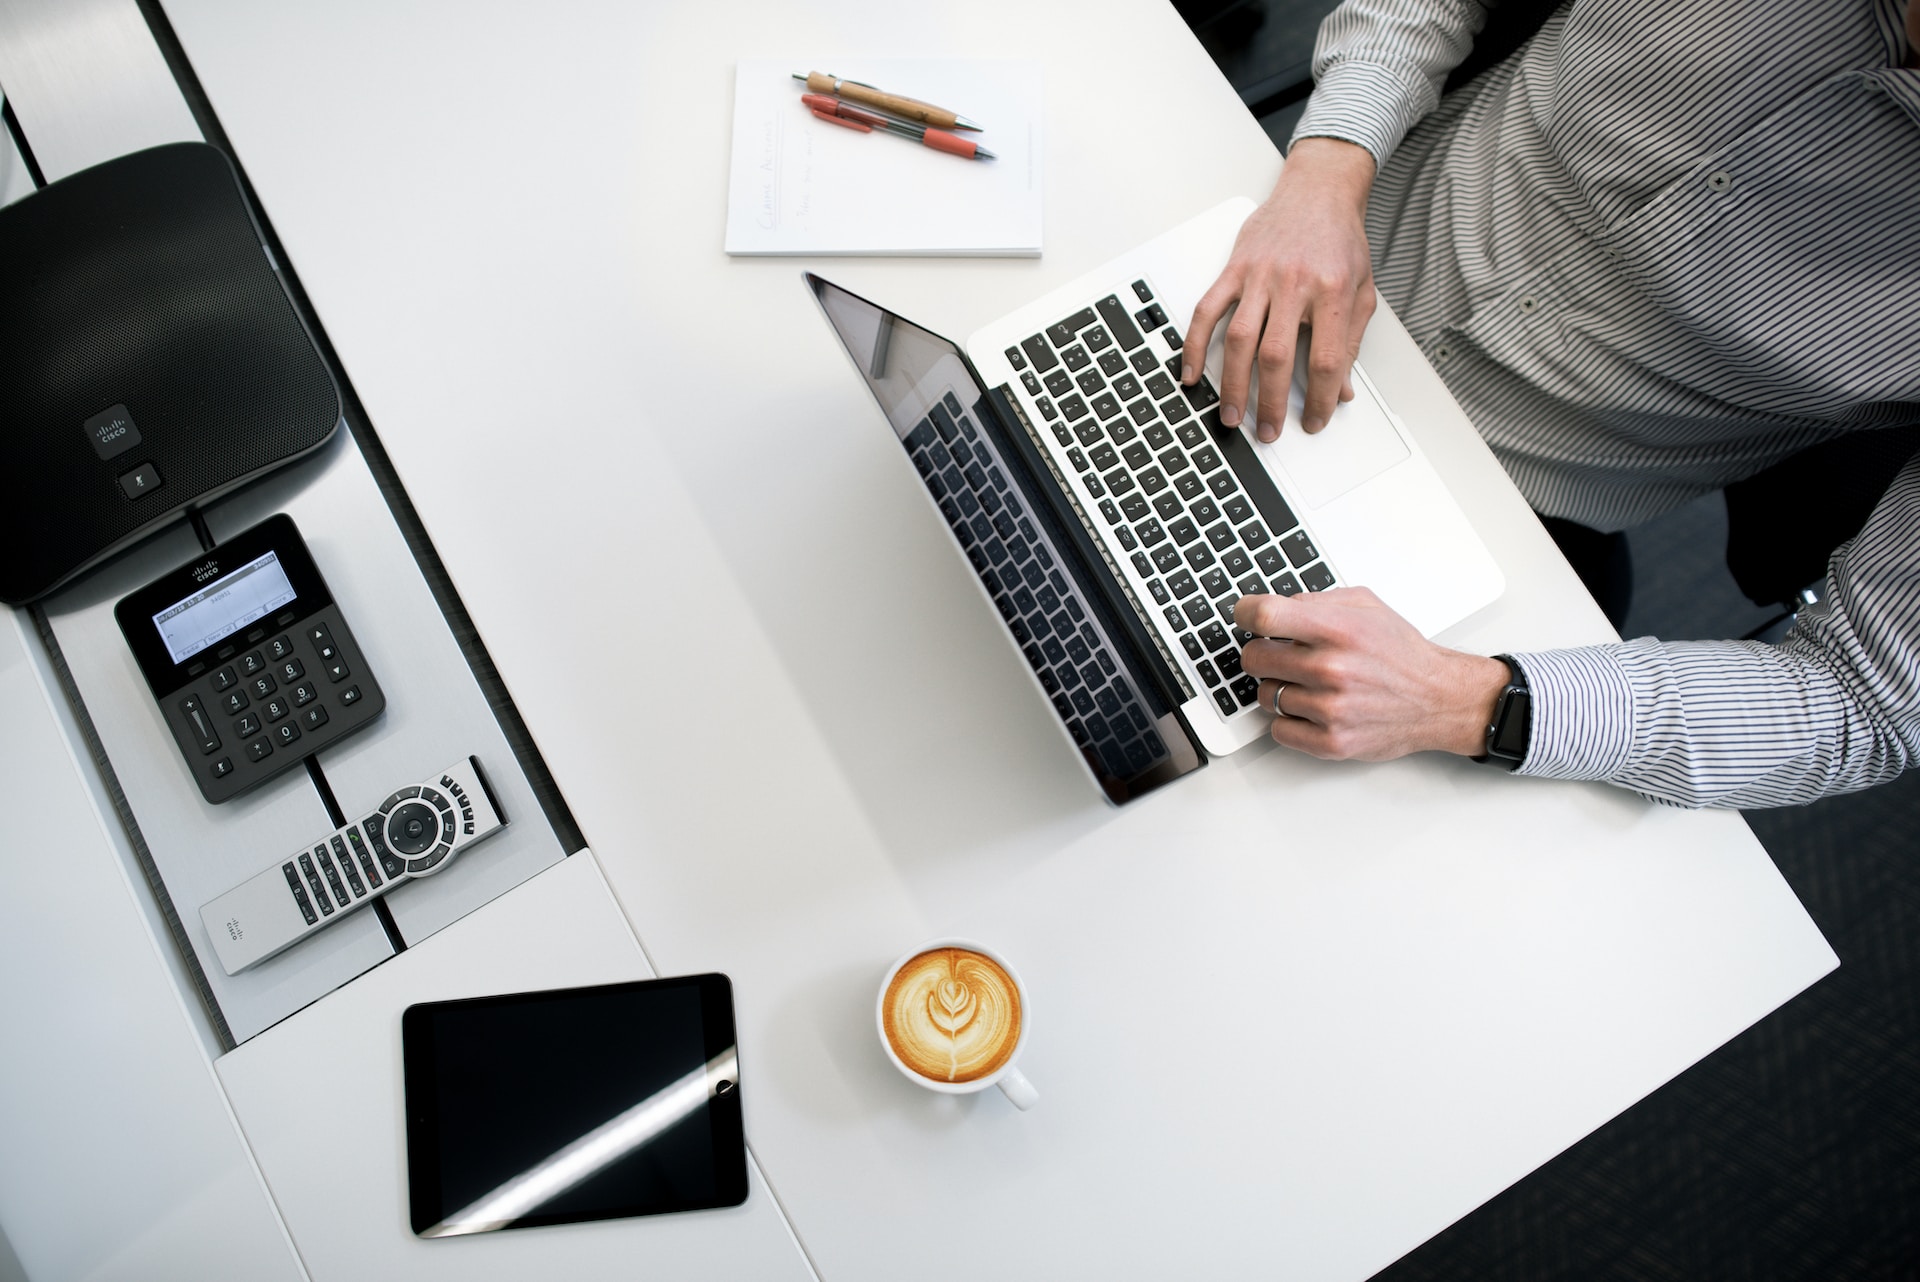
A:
[1512,726]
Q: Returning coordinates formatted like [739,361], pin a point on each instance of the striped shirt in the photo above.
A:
[1665,245]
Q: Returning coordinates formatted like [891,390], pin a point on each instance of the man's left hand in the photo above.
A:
[1358,682]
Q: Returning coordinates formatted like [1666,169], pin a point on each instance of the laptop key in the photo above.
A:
[1141,411]
[1224,698]
[1096,338]
[1150,316]
[1059,382]
[1108,510]
[1073,407]
[1205,459]
[1063,333]
[1134,506]
[1126,387]
[1299,549]
[1122,430]
[1046,407]
[921,436]
[1173,338]
[1110,361]
[1083,702]
[1091,382]
[1168,506]
[1103,458]
[1213,637]
[1286,585]
[1190,486]
[1015,359]
[1191,646]
[1229,663]
[1205,512]
[1119,323]
[1245,689]
[1221,536]
[1222,484]
[1236,561]
[1318,578]
[1191,435]
[1126,538]
[1106,405]
[1181,584]
[1253,534]
[1251,585]
[1198,610]
[1136,455]
[1159,386]
[1143,361]
[1159,590]
[1078,460]
[1150,532]
[1075,358]
[1208,673]
[1159,436]
[1175,619]
[1166,559]
[1238,509]
[1094,487]
[1173,460]
[1215,581]
[1201,394]
[1119,480]
[1144,566]
[1175,408]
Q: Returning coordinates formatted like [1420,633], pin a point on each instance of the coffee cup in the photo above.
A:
[953,1016]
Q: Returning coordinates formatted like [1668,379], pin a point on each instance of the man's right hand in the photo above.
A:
[1300,259]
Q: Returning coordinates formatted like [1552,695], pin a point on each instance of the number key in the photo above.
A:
[304,693]
[281,647]
[291,671]
[262,686]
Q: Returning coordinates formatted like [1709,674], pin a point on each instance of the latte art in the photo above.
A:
[952,1014]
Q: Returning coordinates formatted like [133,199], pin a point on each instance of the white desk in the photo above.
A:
[1290,1017]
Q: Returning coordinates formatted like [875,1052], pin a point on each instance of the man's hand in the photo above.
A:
[1301,259]
[1361,683]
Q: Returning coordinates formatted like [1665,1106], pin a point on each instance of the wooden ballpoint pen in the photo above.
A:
[911,109]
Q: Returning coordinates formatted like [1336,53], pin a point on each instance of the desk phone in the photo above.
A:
[249,658]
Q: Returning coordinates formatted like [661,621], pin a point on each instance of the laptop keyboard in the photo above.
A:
[1066,646]
[1151,458]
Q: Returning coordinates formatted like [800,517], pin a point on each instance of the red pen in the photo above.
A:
[832,109]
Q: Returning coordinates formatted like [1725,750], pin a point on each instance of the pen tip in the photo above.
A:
[961,122]
[798,76]
[981,153]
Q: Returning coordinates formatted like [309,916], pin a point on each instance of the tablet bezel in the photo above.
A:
[424,1117]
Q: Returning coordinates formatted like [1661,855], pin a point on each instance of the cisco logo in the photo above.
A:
[233,929]
[112,431]
[205,570]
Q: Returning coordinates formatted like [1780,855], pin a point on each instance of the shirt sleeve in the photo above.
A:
[1378,66]
[1835,707]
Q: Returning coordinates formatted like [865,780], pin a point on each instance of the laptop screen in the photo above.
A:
[1004,510]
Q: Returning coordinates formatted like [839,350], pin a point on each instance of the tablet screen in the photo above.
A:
[573,1104]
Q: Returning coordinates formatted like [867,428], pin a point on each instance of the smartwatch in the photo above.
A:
[1512,724]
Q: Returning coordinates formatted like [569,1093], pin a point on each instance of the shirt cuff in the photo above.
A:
[1582,713]
[1364,103]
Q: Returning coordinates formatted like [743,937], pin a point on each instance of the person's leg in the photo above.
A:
[1601,560]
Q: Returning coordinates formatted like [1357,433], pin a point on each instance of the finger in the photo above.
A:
[1329,364]
[1364,304]
[1309,737]
[1276,374]
[1279,616]
[1274,660]
[1243,345]
[1213,305]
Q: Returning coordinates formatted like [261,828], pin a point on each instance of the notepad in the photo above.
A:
[801,185]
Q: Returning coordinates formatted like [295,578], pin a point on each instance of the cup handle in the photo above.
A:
[1018,1089]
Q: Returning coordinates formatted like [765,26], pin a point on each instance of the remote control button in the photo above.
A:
[333,877]
[252,664]
[349,696]
[285,733]
[426,863]
[322,641]
[337,670]
[223,767]
[278,707]
[315,717]
[346,866]
[313,880]
[366,860]
[449,827]
[200,724]
[398,797]
[412,827]
[304,693]
[247,726]
[223,679]
[299,894]
[440,803]
[279,648]
[234,702]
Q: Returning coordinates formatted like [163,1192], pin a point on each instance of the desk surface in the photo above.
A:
[1287,1015]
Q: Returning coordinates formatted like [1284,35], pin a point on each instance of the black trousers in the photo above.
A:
[1603,563]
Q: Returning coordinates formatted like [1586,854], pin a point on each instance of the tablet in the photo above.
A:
[572,1104]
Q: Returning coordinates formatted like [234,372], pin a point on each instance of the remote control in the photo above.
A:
[415,833]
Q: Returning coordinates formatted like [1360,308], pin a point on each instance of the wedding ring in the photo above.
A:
[1278,688]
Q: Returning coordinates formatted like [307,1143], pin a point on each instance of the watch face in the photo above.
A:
[1512,725]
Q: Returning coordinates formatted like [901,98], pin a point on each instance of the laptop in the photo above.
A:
[1113,521]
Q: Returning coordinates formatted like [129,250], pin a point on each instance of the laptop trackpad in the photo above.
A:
[1358,444]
